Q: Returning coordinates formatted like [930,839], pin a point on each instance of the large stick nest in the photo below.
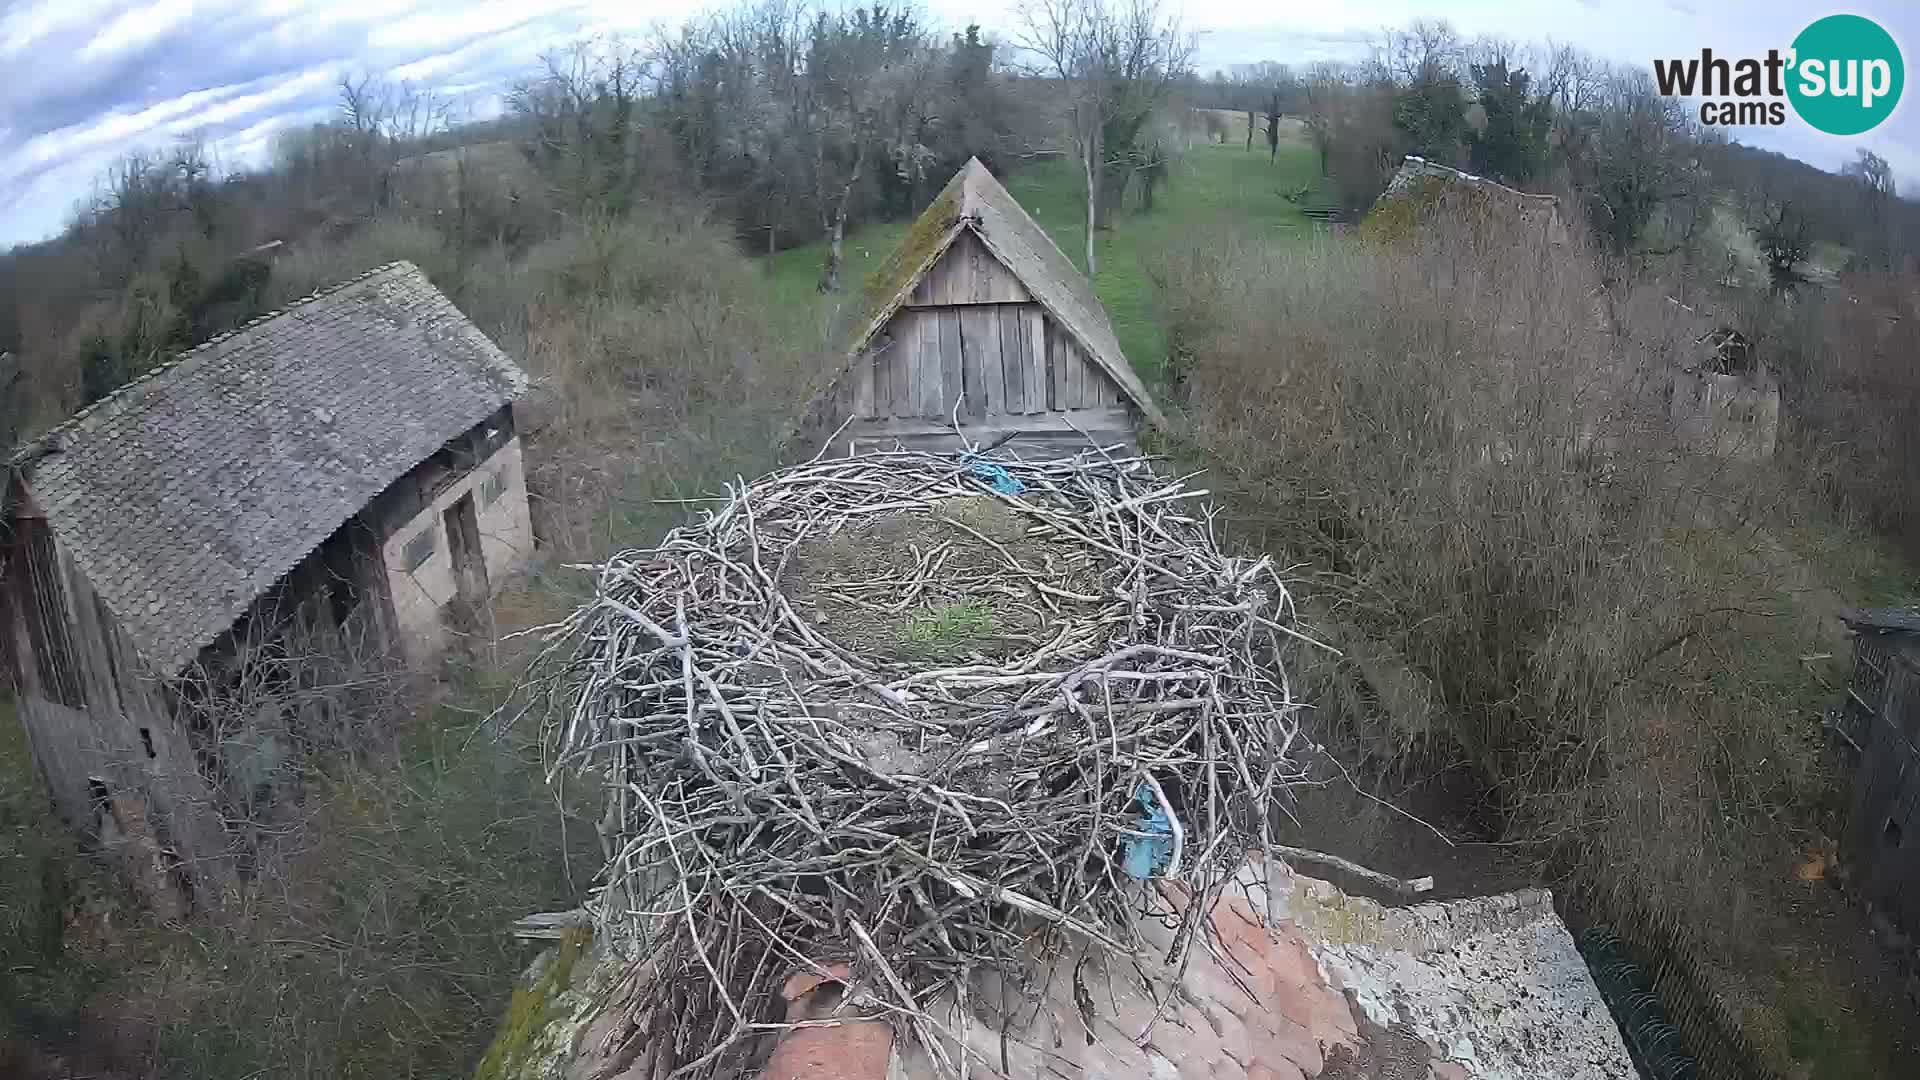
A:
[874,711]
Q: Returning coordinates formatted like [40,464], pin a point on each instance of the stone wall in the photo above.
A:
[422,592]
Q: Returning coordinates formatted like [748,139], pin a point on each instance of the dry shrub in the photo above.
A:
[661,372]
[1851,365]
[372,944]
[322,261]
[1451,433]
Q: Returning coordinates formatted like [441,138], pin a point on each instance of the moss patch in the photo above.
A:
[919,245]
[522,1040]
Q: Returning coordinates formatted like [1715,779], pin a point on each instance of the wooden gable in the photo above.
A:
[968,274]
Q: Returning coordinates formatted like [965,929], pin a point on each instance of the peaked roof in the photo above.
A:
[187,493]
[974,200]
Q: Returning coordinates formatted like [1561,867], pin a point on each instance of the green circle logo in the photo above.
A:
[1846,75]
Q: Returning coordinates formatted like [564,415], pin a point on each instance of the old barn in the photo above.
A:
[202,570]
[978,326]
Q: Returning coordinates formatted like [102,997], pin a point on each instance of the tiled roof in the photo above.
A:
[185,494]
[974,199]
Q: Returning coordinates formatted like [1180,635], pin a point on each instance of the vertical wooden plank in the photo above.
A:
[1057,361]
[981,267]
[1076,372]
[863,376]
[958,281]
[901,363]
[983,339]
[1085,384]
[973,378]
[1037,373]
[1013,356]
[927,293]
[933,402]
[926,360]
[953,364]
[886,344]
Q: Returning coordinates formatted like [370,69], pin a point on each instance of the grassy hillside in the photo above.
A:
[1214,187]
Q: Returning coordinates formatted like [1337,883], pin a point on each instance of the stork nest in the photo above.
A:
[886,712]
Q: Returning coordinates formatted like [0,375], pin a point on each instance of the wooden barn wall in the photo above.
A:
[997,360]
[97,722]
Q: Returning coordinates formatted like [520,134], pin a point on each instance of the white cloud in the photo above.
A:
[32,22]
[235,108]
[87,80]
[116,129]
[140,26]
[437,26]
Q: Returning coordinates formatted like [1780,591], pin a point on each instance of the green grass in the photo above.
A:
[949,631]
[1211,187]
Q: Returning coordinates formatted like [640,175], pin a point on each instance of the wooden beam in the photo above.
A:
[1010,330]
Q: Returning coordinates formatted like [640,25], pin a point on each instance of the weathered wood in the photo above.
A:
[882,374]
[1035,331]
[968,274]
[1066,420]
[1063,433]
[1008,327]
[1060,349]
[948,355]
[1079,367]
[862,376]
[971,326]
[908,329]
[1003,366]
[973,382]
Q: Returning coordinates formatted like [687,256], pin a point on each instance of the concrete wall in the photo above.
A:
[506,541]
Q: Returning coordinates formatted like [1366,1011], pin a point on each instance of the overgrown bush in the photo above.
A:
[1525,571]
[1850,366]
[374,945]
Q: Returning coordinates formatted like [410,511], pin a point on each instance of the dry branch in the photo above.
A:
[784,795]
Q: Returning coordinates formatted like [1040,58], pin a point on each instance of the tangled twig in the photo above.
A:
[785,793]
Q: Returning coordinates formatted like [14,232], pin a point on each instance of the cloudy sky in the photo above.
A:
[87,80]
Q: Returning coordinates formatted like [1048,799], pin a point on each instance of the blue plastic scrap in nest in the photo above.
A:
[1145,854]
[997,478]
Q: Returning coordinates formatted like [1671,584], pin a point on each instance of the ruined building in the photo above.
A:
[1726,402]
[203,571]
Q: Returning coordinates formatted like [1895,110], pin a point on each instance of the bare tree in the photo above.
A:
[382,121]
[1116,62]
[1426,50]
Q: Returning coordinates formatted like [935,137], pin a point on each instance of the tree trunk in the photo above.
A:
[830,274]
[1092,159]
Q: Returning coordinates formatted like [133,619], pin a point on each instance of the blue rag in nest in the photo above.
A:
[996,477]
[1145,854]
